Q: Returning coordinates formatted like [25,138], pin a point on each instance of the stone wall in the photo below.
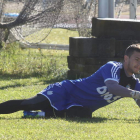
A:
[109,41]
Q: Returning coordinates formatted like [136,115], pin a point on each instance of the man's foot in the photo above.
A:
[33,114]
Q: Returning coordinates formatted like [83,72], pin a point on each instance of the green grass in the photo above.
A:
[118,121]
[32,62]
[56,36]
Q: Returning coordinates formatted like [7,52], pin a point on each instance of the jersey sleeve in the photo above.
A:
[111,71]
[137,86]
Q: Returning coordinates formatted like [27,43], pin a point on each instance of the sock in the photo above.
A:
[41,114]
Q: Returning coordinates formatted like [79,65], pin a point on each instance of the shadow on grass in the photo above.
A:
[7,76]
[41,79]
[79,120]
[10,86]
[54,80]
[87,120]
[82,120]
[103,120]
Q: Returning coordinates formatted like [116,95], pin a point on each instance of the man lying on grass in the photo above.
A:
[81,97]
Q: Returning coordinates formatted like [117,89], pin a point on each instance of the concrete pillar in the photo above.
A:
[133,9]
[106,8]
[103,8]
[111,8]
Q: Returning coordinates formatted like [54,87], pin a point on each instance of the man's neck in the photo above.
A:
[126,71]
[127,74]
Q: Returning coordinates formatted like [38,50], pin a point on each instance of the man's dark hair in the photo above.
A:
[130,49]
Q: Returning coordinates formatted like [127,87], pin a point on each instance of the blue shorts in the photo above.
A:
[59,97]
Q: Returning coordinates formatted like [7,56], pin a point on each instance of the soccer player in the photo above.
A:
[81,97]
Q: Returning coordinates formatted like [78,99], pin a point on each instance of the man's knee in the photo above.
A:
[77,111]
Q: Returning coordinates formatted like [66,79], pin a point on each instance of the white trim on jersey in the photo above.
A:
[116,66]
[114,70]
[49,100]
[111,79]
[73,105]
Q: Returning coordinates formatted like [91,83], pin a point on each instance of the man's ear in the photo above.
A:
[126,58]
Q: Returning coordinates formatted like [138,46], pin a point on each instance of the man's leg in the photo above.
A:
[79,111]
[38,102]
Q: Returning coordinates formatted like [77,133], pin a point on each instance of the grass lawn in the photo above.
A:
[56,36]
[118,121]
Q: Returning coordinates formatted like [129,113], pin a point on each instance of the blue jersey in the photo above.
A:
[89,92]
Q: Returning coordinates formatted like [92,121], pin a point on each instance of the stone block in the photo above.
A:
[82,46]
[91,47]
[83,68]
[120,29]
[91,60]
[73,74]
[106,47]
[121,46]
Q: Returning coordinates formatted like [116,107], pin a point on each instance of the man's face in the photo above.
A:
[133,63]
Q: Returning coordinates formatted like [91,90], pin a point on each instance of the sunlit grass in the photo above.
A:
[32,62]
[56,36]
[118,121]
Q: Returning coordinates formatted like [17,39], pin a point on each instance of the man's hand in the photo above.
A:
[135,94]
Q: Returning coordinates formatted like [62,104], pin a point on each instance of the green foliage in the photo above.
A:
[32,62]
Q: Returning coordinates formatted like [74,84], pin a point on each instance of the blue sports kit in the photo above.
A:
[90,92]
